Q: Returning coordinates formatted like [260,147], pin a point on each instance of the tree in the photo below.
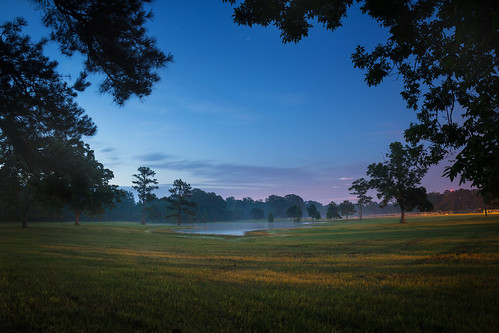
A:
[122,51]
[445,52]
[180,200]
[86,183]
[257,213]
[360,188]
[397,177]
[125,209]
[277,205]
[346,208]
[38,114]
[312,211]
[333,211]
[294,200]
[209,206]
[295,212]
[38,104]
[317,215]
[270,217]
[144,185]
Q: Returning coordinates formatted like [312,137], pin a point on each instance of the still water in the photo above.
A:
[238,228]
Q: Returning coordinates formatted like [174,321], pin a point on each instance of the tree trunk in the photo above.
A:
[26,212]
[179,215]
[77,217]
[143,221]
[27,209]
[402,215]
[360,211]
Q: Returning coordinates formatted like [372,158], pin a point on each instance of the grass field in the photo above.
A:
[432,274]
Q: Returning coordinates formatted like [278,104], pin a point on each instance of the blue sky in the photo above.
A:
[241,114]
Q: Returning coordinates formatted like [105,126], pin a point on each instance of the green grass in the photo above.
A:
[431,274]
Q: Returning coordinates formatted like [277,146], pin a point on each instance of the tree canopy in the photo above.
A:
[359,188]
[180,200]
[39,114]
[396,179]
[36,102]
[144,185]
[346,208]
[444,51]
[295,213]
[122,51]
[85,185]
[333,211]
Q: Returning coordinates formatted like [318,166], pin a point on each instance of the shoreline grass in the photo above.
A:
[432,274]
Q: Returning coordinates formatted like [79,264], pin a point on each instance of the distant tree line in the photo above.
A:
[210,207]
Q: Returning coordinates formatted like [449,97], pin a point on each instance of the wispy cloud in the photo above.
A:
[227,173]
[153,157]
[231,179]
[108,150]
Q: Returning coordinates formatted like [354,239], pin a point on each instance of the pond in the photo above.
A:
[239,228]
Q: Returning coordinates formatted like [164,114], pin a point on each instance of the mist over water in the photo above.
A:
[239,228]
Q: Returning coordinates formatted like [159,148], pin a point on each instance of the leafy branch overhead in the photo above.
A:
[444,51]
[122,51]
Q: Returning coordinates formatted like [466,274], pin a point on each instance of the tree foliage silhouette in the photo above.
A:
[445,52]
[396,179]
[333,211]
[346,208]
[38,105]
[359,188]
[144,185]
[84,186]
[179,200]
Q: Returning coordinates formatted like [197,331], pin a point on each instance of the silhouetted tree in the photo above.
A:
[312,211]
[125,209]
[445,51]
[295,213]
[346,208]
[180,200]
[38,106]
[144,185]
[333,211]
[295,200]
[87,183]
[277,205]
[257,213]
[122,51]
[360,188]
[209,206]
[397,177]
[270,217]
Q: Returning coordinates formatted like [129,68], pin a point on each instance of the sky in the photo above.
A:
[241,114]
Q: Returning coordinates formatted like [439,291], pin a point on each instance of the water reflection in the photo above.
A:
[238,228]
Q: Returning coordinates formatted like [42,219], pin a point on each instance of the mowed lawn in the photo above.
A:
[436,274]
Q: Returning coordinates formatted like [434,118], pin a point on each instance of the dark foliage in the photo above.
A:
[144,185]
[396,179]
[209,206]
[445,51]
[180,200]
[111,37]
[295,213]
[346,208]
[35,102]
[359,188]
